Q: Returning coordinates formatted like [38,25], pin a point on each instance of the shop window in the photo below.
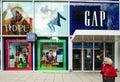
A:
[18,55]
[18,21]
[99,53]
[109,50]
[88,55]
[77,56]
[51,55]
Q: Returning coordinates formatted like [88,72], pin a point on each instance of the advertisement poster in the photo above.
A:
[51,18]
[17,18]
[18,54]
[94,16]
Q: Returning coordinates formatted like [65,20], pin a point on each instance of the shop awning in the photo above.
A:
[96,34]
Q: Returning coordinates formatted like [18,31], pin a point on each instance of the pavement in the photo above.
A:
[37,76]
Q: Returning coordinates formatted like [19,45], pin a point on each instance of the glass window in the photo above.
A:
[77,56]
[109,50]
[88,56]
[51,18]
[18,55]
[52,54]
[99,53]
[18,21]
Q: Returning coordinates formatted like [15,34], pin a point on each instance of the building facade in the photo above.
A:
[59,35]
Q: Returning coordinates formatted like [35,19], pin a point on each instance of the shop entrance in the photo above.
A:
[88,55]
[76,59]
[88,64]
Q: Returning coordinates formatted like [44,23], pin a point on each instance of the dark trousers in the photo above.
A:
[108,79]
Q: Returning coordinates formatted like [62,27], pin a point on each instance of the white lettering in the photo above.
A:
[94,21]
[87,21]
[102,17]
[15,28]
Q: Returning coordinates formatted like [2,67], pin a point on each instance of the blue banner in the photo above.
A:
[94,16]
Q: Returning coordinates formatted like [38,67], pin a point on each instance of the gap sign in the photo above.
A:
[31,37]
[90,16]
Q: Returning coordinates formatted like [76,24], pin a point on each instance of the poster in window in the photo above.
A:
[17,18]
[51,18]
[59,58]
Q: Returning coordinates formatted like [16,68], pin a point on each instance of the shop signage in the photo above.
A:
[90,16]
[92,19]
[31,37]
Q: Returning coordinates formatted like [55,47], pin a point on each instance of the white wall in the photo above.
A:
[118,56]
[70,54]
[117,53]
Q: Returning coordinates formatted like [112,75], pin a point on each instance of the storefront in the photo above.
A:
[49,54]
[50,20]
[88,51]
[94,29]
[51,27]
[71,35]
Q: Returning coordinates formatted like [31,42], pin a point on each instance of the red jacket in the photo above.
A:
[108,70]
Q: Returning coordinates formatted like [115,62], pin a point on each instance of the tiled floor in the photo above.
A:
[28,76]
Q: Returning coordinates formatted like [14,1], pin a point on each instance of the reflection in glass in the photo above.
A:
[109,50]
[77,57]
[88,56]
[99,52]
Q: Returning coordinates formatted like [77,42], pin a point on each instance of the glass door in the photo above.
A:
[98,55]
[109,50]
[77,56]
[76,59]
[88,56]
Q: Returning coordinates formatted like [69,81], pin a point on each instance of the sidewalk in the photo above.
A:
[28,76]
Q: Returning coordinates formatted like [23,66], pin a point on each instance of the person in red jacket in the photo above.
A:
[108,72]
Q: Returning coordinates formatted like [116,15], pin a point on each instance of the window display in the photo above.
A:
[51,54]
[18,55]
